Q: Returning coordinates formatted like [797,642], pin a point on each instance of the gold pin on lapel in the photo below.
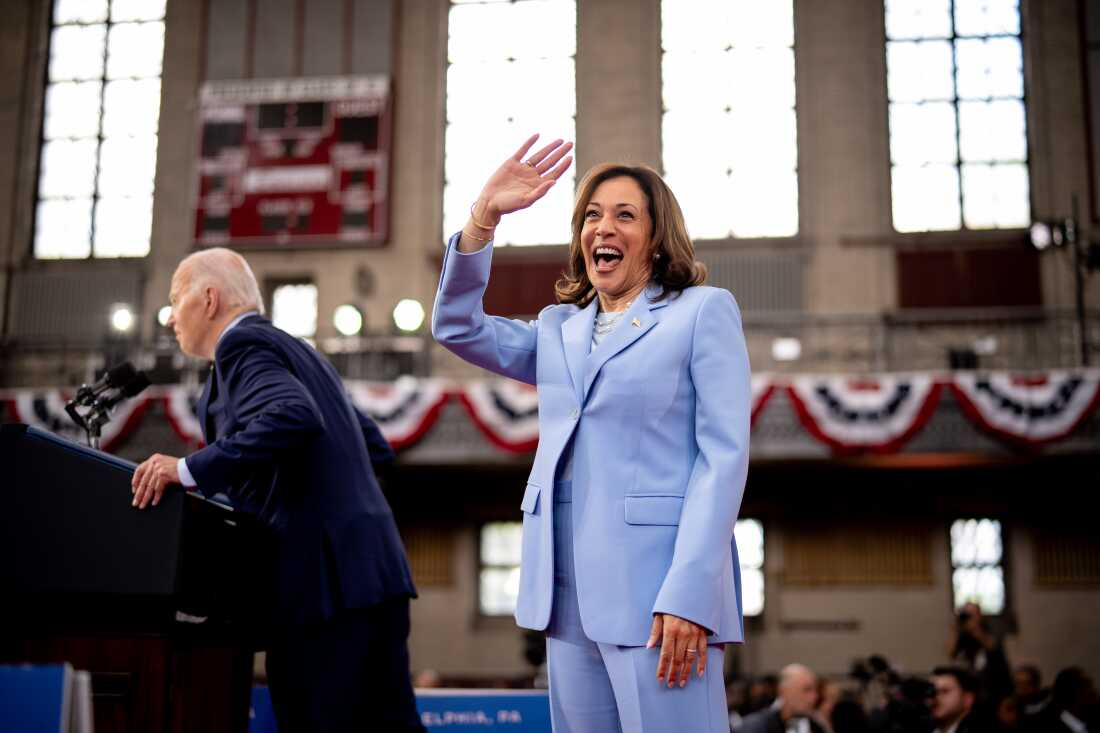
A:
[636,323]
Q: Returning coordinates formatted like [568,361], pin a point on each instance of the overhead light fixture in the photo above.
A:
[348,320]
[786,348]
[408,315]
[985,346]
[1044,234]
[122,318]
[163,315]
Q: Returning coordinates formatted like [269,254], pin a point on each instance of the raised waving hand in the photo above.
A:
[520,181]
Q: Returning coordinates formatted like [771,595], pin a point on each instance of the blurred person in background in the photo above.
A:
[1072,708]
[975,648]
[793,710]
[1031,698]
[954,696]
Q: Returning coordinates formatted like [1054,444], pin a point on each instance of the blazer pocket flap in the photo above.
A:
[653,509]
[531,499]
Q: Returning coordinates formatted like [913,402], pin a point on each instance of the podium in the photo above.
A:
[164,606]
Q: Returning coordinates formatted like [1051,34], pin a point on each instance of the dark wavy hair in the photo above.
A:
[675,269]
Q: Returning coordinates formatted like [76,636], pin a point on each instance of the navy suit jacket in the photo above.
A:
[285,443]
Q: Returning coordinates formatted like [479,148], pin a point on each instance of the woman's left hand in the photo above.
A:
[683,644]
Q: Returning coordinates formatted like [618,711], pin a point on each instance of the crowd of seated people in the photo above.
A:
[949,699]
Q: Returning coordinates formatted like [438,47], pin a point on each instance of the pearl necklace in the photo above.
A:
[608,325]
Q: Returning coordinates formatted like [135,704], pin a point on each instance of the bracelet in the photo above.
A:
[478,224]
[471,236]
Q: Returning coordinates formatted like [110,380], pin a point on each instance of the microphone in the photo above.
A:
[124,379]
[114,378]
[132,388]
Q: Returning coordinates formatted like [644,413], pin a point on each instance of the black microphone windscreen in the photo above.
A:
[135,385]
[121,375]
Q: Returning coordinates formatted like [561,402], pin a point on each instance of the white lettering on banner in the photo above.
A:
[455,717]
[288,178]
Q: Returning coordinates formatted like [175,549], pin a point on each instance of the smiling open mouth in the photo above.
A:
[606,258]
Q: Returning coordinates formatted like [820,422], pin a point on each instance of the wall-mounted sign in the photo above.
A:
[293,162]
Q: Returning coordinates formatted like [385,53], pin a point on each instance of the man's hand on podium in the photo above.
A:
[151,479]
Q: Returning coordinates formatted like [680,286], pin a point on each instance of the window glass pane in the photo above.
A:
[122,226]
[294,309]
[919,71]
[695,25]
[131,107]
[123,10]
[67,168]
[925,198]
[993,131]
[683,86]
[923,133]
[987,17]
[72,110]
[749,534]
[768,23]
[984,586]
[975,541]
[491,46]
[706,197]
[729,136]
[501,543]
[135,49]
[62,228]
[765,203]
[918,19]
[996,196]
[76,52]
[752,591]
[528,29]
[761,77]
[79,11]
[763,139]
[127,165]
[499,589]
[990,68]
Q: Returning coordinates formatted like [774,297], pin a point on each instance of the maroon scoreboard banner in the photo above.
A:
[293,162]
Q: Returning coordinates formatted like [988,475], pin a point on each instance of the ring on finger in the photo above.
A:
[527,162]
[689,651]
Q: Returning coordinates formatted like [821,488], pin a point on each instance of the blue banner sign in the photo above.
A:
[457,711]
[453,711]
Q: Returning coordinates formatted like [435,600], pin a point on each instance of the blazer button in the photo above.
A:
[575,414]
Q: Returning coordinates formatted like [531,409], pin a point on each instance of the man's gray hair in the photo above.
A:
[229,273]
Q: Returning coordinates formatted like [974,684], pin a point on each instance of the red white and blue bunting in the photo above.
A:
[878,414]
[1028,410]
[875,413]
[179,407]
[505,411]
[405,410]
[763,387]
[45,409]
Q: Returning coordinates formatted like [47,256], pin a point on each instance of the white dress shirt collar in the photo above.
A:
[233,324]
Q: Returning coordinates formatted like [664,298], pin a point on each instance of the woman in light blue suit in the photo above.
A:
[629,563]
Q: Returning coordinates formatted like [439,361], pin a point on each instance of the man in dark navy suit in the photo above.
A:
[284,443]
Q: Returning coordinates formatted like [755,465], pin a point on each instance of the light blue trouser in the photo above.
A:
[602,688]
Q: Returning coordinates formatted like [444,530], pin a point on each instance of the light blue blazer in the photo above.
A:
[659,418]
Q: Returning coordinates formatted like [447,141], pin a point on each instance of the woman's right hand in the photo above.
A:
[515,185]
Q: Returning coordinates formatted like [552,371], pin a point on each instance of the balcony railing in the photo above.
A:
[1006,339]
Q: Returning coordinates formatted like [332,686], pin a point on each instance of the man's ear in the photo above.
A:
[211,301]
